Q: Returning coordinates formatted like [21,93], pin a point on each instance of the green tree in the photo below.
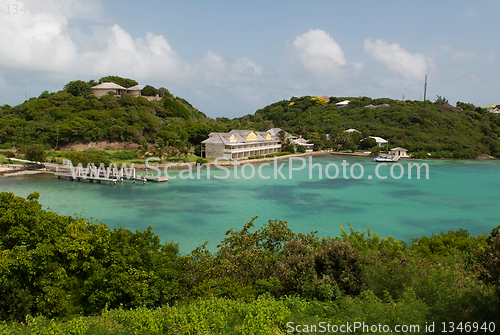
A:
[149,91]
[161,148]
[144,150]
[78,88]
[350,146]
[440,100]
[125,82]
[36,153]
[375,151]
[185,149]
[44,95]
[367,143]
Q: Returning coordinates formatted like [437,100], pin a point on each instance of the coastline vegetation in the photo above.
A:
[173,127]
[68,275]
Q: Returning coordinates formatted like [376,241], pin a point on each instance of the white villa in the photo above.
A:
[118,90]
[239,144]
[301,141]
[401,152]
[343,103]
[380,141]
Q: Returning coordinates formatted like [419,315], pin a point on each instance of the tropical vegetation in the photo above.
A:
[68,275]
[171,124]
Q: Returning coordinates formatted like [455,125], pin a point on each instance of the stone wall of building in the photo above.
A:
[214,150]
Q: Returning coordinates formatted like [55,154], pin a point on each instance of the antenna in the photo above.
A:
[425,88]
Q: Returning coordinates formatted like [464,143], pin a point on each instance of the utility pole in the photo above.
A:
[425,89]
[57,141]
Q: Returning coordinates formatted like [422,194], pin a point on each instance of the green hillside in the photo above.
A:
[434,128]
[75,114]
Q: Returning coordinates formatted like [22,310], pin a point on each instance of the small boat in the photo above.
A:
[386,158]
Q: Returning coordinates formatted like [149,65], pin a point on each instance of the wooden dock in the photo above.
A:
[99,175]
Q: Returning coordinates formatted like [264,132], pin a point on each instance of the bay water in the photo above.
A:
[457,194]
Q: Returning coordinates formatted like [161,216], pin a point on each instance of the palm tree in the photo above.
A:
[282,137]
[173,150]
[185,149]
[143,149]
[161,148]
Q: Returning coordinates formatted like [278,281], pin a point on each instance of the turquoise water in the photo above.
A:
[458,194]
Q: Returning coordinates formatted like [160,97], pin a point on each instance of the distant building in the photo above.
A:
[401,152]
[495,111]
[118,90]
[490,107]
[135,90]
[327,99]
[104,88]
[380,141]
[302,141]
[238,144]
[342,103]
[377,106]
[351,130]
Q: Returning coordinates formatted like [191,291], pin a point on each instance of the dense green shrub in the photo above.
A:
[367,143]
[89,156]
[35,153]
[277,154]
[201,161]
[257,281]
[9,154]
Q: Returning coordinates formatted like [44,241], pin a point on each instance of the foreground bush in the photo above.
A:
[53,267]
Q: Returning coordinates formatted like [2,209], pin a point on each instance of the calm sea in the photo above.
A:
[458,194]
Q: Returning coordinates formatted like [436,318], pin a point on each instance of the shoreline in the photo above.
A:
[182,165]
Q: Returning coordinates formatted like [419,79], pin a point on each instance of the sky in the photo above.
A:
[231,58]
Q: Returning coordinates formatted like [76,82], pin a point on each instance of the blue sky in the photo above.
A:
[231,58]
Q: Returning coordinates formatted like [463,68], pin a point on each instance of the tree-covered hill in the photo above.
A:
[436,128]
[75,114]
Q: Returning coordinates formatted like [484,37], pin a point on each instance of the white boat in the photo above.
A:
[386,158]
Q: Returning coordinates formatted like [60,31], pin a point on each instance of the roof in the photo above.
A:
[398,149]
[108,86]
[135,88]
[324,97]
[379,139]
[351,130]
[489,106]
[241,136]
[343,103]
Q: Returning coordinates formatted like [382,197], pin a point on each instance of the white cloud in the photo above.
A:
[410,66]
[44,43]
[459,54]
[39,42]
[491,55]
[318,52]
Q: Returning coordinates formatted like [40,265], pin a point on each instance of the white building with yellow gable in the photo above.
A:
[239,144]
